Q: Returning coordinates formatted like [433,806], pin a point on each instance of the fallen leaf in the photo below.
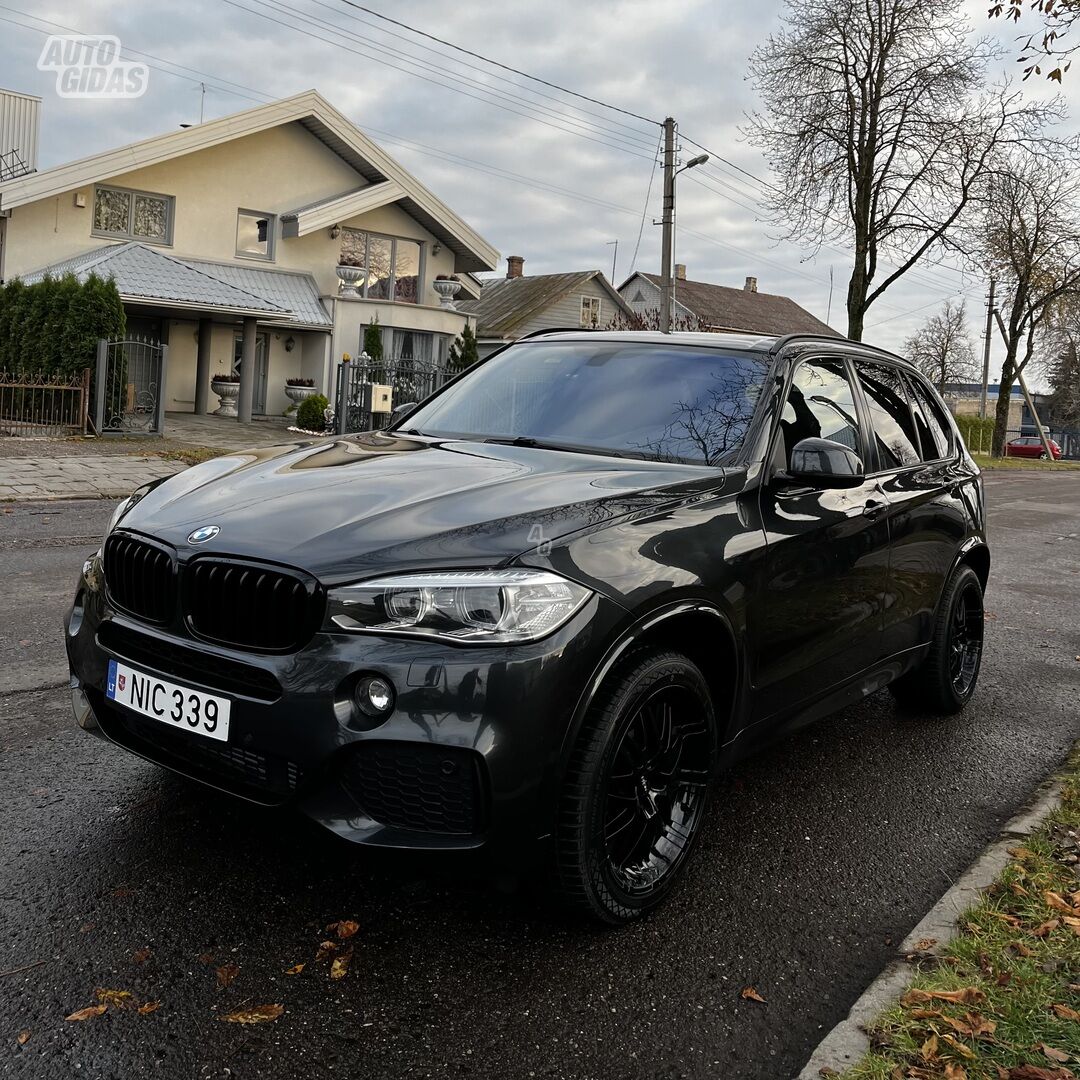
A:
[340,967]
[23,1038]
[1053,1053]
[1058,903]
[89,1013]
[344,928]
[1020,948]
[140,956]
[1037,1072]
[123,892]
[294,970]
[1004,978]
[327,948]
[969,995]
[118,999]
[257,1014]
[928,1050]
[959,1047]
[748,993]
[1018,889]
[148,1007]
[226,973]
[925,944]
[1064,1012]
[955,1072]
[1021,853]
[206,958]
[1046,927]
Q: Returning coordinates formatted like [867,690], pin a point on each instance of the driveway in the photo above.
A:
[820,854]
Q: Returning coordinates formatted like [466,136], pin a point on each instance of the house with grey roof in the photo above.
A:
[510,307]
[720,308]
[277,234]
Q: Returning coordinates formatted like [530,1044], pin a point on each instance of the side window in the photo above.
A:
[820,405]
[890,415]
[933,427]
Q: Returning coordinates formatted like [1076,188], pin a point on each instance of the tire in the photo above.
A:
[944,681]
[640,768]
[1044,456]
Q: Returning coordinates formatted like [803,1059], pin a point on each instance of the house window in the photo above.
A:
[255,234]
[590,312]
[391,265]
[133,215]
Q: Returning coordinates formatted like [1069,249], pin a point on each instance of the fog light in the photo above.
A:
[75,619]
[374,696]
[80,706]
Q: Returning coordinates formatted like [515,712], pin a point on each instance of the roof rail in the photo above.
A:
[558,330]
[782,343]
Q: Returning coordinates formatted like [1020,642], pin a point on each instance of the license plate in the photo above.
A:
[177,706]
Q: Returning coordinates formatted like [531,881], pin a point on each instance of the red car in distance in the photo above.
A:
[1031,446]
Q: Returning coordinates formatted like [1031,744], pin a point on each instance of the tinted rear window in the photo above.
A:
[661,402]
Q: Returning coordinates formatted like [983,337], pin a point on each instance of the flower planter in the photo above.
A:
[350,277]
[447,290]
[229,392]
[296,394]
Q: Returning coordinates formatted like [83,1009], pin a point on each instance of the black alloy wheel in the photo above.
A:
[945,679]
[636,786]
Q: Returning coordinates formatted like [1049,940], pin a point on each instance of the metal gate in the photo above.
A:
[129,387]
[362,403]
[39,405]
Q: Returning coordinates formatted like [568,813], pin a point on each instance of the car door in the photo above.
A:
[817,617]
[927,519]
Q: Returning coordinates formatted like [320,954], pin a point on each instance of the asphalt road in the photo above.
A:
[819,854]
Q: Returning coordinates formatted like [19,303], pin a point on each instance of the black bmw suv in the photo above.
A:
[537,614]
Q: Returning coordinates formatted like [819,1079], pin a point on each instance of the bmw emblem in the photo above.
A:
[200,536]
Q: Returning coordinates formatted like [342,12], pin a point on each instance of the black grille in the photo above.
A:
[251,605]
[435,789]
[140,577]
[188,665]
[246,772]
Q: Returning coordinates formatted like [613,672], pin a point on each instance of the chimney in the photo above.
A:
[680,271]
[514,264]
[751,285]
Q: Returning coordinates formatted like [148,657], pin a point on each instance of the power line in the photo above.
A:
[645,208]
[496,63]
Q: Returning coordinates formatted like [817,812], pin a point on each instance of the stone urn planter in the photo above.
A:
[349,276]
[229,392]
[447,289]
[296,394]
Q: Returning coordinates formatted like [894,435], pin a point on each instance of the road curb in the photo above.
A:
[846,1044]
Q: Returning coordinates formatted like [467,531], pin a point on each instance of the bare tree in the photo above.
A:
[942,347]
[880,124]
[649,319]
[1047,46]
[1029,230]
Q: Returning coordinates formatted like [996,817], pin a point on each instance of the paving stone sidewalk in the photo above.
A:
[88,476]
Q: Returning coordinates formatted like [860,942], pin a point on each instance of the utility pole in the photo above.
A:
[1043,437]
[986,349]
[667,221]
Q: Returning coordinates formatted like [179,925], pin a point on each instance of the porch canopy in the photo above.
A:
[148,278]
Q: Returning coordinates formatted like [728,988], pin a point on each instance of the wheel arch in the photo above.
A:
[976,554]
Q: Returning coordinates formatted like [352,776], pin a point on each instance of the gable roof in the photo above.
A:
[725,308]
[308,109]
[146,275]
[505,303]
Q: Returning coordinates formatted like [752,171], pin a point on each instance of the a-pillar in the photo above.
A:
[202,367]
[247,372]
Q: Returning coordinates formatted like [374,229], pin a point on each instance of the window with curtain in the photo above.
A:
[391,265]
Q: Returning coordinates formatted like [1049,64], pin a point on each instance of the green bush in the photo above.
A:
[54,326]
[978,432]
[310,413]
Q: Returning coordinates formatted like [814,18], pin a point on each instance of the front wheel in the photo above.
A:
[634,795]
[1044,456]
[944,682]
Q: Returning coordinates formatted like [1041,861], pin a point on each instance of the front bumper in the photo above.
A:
[469,757]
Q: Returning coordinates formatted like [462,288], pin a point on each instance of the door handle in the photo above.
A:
[874,508]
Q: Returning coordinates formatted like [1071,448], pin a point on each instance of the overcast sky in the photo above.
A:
[686,58]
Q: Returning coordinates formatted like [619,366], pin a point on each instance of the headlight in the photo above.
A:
[483,606]
[122,508]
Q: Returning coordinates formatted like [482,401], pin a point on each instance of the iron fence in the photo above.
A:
[361,403]
[129,387]
[44,405]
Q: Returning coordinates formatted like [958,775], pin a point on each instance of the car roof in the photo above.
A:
[769,343]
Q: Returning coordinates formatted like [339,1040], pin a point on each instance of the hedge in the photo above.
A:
[54,326]
[978,432]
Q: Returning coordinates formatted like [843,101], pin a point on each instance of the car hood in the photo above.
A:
[345,508]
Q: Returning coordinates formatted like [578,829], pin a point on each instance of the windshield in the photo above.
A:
[675,403]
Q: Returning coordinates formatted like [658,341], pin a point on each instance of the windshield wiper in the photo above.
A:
[541,444]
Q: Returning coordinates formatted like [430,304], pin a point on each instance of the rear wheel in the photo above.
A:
[944,682]
[636,787]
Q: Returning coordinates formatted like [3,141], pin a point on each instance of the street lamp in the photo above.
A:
[667,285]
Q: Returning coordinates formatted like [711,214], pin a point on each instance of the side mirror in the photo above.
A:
[399,412]
[823,463]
